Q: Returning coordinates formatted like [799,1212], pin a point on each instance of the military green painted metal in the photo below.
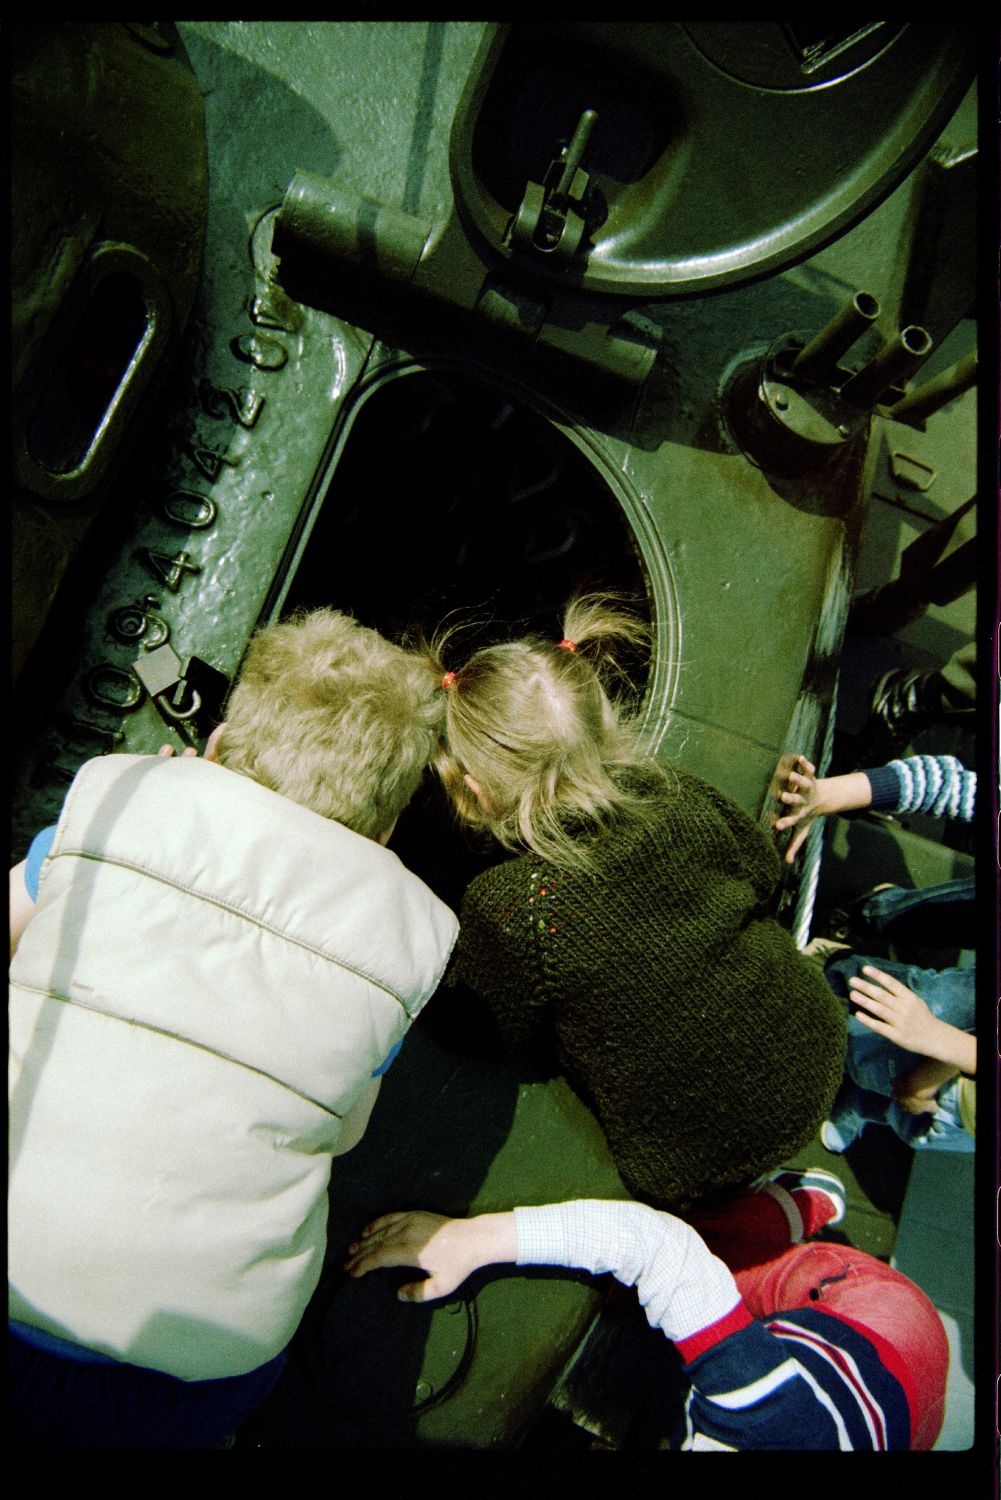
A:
[471,1372]
[827,125]
[108,196]
[931,395]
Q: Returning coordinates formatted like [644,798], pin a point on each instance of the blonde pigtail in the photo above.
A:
[606,631]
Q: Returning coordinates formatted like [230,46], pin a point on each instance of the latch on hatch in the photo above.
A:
[555,214]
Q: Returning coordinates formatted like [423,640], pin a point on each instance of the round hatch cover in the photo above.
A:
[721,150]
[380,1361]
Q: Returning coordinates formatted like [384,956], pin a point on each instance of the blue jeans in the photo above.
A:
[939,916]
[873,1063]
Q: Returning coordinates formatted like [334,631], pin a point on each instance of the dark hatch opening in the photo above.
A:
[452,496]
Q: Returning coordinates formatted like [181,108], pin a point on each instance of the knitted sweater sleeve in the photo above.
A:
[935,784]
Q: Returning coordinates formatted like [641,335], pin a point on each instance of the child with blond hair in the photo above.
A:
[630,943]
[214,960]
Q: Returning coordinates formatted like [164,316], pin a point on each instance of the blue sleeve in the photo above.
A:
[785,1383]
[384,1065]
[40,846]
[935,784]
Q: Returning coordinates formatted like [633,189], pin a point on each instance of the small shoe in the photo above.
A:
[843,925]
[815,1180]
[838,1138]
[904,701]
[821,949]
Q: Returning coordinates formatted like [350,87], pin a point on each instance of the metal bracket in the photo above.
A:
[912,472]
[189,695]
[553,215]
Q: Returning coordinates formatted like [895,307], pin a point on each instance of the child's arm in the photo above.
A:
[682,1285]
[935,784]
[749,1388]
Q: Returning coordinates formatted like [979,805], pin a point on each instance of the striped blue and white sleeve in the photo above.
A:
[935,784]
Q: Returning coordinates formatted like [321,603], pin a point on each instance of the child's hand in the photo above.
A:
[800,793]
[894,1011]
[450,1249]
[812,796]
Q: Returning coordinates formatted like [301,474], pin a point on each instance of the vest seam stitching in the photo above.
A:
[221,905]
[109,1015]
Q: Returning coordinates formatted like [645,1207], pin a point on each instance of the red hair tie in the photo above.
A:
[566,645]
[448,680]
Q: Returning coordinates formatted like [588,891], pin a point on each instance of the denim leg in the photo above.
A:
[854,1107]
[872,1061]
[936,916]
[944,1132]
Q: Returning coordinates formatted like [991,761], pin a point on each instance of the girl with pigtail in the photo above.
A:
[629,942]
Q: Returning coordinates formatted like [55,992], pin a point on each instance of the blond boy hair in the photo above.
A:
[333,716]
[553,755]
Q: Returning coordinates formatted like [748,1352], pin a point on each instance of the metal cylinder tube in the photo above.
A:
[937,392]
[894,363]
[818,359]
[321,217]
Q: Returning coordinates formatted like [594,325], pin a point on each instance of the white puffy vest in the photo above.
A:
[210,977]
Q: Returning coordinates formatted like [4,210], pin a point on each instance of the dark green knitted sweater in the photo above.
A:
[708,1047]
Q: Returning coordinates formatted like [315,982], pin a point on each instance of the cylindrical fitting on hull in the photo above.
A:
[936,393]
[818,360]
[785,428]
[322,218]
[893,364]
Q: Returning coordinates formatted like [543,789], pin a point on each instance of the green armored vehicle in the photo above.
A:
[414,317]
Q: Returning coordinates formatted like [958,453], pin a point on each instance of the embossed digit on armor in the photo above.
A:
[113,687]
[242,405]
[264,313]
[169,570]
[258,350]
[138,623]
[208,461]
[188,508]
